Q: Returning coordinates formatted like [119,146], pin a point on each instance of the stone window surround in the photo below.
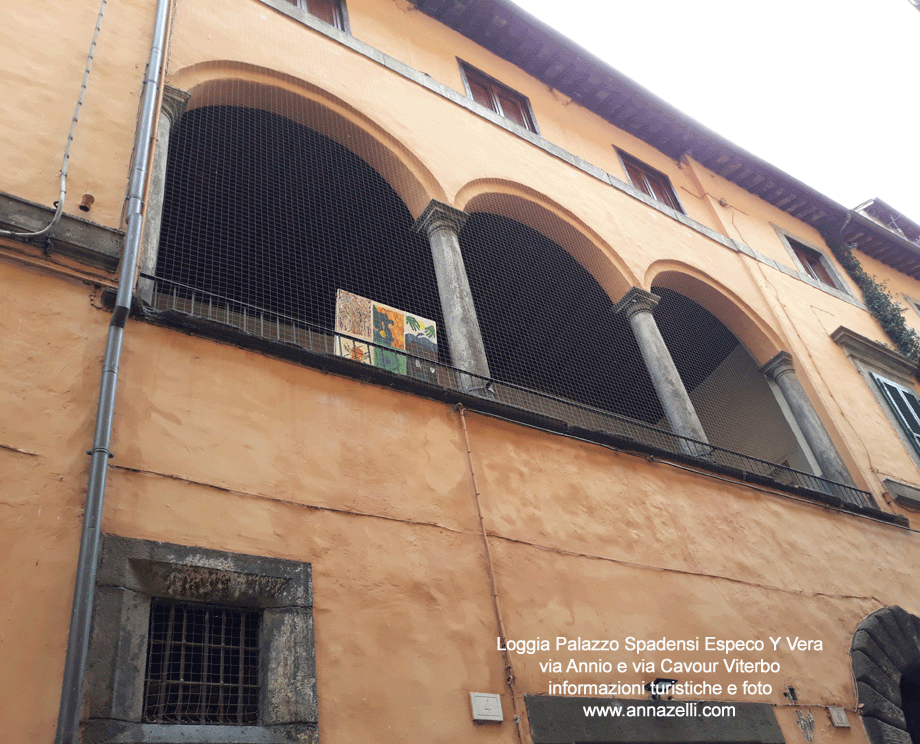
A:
[785,236]
[625,157]
[885,646]
[308,19]
[131,572]
[870,357]
[914,304]
[467,71]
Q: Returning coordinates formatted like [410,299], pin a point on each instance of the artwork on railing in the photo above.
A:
[398,341]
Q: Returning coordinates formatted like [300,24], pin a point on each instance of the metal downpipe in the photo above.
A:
[68,725]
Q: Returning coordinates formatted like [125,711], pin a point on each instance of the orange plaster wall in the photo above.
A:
[225,448]
[52,347]
[37,107]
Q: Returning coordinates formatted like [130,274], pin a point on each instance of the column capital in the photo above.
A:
[636,300]
[174,102]
[437,216]
[778,365]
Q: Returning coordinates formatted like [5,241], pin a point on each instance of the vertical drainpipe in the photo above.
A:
[68,725]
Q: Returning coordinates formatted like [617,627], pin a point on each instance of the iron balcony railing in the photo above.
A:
[498,396]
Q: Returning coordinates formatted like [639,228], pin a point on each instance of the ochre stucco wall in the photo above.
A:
[228,449]
[225,448]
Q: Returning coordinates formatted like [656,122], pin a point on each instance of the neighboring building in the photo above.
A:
[448,341]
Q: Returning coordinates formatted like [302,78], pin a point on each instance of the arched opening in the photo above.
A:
[736,405]
[885,653]
[264,219]
[549,326]
[910,702]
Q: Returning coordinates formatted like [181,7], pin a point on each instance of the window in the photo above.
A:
[812,263]
[649,181]
[890,378]
[500,99]
[330,11]
[915,304]
[904,405]
[199,645]
[202,664]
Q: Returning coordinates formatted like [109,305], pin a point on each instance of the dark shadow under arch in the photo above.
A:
[731,396]
[548,325]
[262,212]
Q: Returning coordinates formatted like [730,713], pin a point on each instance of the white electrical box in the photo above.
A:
[487,707]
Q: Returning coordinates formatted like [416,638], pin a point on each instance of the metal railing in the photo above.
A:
[495,395]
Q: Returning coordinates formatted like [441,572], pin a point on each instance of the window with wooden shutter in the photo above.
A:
[813,263]
[649,181]
[905,405]
[330,11]
[497,97]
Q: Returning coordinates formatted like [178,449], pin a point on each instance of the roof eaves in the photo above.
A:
[653,120]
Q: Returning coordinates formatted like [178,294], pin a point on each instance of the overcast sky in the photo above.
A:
[826,90]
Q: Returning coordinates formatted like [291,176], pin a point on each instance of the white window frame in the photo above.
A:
[904,403]
[876,362]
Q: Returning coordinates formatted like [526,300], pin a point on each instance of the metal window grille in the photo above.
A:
[202,664]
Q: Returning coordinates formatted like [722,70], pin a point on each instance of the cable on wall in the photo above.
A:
[73,127]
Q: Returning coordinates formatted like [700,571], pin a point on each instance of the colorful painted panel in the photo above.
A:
[401,340]
[421,338]
[389,331]
[353,317]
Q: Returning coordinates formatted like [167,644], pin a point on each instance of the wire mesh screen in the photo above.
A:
[547,324]
[202,664]
[732,398]
[287,210]
[265,220]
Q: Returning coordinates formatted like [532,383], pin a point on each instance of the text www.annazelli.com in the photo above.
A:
[651,710]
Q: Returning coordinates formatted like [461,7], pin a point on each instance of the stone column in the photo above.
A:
[637,305]
[780,370]
[174,103]
[442,224]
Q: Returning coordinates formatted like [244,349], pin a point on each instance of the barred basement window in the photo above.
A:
[200,646]
[202,664]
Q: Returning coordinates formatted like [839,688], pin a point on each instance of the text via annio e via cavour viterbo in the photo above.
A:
[733,662]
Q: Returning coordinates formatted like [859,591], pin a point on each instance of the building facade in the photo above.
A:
[454,388]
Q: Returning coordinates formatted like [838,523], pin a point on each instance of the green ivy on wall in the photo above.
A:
[881,304]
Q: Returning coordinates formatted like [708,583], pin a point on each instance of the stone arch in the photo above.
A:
[276,196]
[529,207]
[230,83]
[885,650]
[718,346]
[754,334]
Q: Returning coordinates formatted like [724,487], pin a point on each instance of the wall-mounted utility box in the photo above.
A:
[487,708]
